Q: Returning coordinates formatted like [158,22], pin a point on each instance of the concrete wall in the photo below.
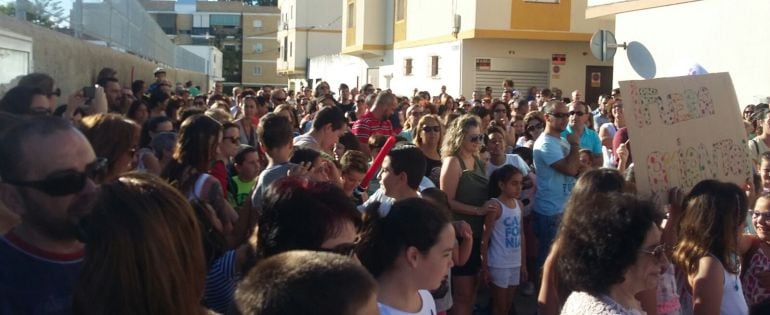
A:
[74,63]
[715,36]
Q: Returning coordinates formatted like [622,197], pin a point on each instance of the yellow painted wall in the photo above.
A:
[541,16]
[268,76]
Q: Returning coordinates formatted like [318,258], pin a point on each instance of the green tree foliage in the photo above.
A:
[46,13]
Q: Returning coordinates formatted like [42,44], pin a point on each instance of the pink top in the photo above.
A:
[754,293]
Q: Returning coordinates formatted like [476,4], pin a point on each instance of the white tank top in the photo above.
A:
[733,301]
[504,249]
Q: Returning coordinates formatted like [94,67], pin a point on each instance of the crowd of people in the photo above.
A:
[165,199]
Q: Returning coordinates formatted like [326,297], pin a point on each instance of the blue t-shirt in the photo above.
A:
[589,140]
[33,281]
[553,187]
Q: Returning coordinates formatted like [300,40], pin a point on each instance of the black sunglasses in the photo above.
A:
[534,127]
[476,137]
[431,129]
[345,249]
[576,113]
[65,182]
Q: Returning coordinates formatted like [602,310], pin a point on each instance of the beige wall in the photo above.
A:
[82,61]
[268,76]
[269,24]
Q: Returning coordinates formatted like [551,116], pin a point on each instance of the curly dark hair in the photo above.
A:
[599,245]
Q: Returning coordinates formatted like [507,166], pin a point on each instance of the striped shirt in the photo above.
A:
[368,125]
[220,283]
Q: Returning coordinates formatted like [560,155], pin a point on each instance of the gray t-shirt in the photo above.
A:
[267,177]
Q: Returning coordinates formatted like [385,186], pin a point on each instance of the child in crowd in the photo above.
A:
[502,244]
[408,251]
[246,166]
[307,282]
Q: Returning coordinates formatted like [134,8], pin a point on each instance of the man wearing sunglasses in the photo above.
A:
[578,116]
[556,162]
[46,167]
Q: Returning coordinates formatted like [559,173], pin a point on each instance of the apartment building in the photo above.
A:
[308,29]
[244,34]
[468,45]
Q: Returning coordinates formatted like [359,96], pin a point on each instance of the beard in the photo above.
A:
[55,226]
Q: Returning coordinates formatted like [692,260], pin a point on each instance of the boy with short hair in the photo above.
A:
[275,136]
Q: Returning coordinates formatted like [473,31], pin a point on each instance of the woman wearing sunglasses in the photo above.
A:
[610,252]
[115,138]
[464,180]
[534,124]
[428,136]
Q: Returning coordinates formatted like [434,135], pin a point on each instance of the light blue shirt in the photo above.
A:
[599,119]
[589,140]
[553,187]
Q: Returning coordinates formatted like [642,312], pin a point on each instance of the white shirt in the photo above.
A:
[428,306]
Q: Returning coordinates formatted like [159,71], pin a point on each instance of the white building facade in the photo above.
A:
[680,36]
[307,29]
[467,45]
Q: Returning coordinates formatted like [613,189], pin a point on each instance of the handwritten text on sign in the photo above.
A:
[684,130]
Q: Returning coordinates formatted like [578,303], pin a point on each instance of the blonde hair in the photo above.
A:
[456,133]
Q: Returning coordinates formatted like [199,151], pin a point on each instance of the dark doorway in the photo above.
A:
[598,81]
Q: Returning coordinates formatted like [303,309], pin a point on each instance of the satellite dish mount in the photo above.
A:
[603,45]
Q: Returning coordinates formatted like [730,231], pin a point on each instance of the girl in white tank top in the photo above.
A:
[502,243]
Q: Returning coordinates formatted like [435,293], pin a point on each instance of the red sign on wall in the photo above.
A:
[559,59]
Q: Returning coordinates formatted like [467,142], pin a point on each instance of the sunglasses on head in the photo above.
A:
[476,137]
[67,182]
[431,129]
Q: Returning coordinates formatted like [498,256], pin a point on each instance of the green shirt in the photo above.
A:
[242,192]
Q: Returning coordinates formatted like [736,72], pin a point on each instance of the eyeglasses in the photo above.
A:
[431,128]
[345,249]
[757,215]
[56,92]
[559,115]
[659,252]
[233,140]
[534,127]
[476,137]
[576,113]
[65,182]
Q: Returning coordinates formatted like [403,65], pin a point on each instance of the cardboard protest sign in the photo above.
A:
[683,130]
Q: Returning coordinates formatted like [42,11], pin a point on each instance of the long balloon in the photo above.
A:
[377,162]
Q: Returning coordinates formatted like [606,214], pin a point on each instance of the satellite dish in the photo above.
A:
[604,45]
[641,60]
